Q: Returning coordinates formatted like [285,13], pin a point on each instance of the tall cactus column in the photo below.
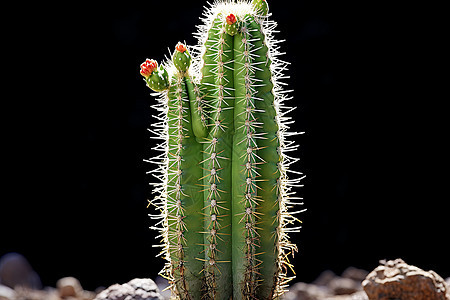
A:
[256,165]
[217,163]
[225,196]
[183,197]
[263,146]
[246,163]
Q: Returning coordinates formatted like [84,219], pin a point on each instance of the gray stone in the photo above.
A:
[163,286]
[344,286]
[306,291]
[15,270]
[69,287]
[136,289]
[361,295]
[324,278]
[6,293]
[355,274]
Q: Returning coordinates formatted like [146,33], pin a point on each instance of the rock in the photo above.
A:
[6,293]
[69,287]
[361,295]
[329,286]
[49,293]
[163,286]
[306,291]
[15,270]
[355,274]
[136,289]
[344,286]
[395,279]
[23,293]
[324,278]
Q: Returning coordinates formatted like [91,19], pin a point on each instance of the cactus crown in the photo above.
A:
[225,200]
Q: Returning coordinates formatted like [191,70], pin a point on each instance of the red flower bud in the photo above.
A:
[148,67]
[180,47]
[231,19]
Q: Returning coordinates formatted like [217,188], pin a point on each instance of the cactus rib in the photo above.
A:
[217,165]
[246,165]
[198,111]
[183,193]
[268,152]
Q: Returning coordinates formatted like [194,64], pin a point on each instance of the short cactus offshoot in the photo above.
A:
[225,200]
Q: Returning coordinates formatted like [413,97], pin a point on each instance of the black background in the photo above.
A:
[368,84]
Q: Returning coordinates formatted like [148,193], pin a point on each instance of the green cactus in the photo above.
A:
[225,195]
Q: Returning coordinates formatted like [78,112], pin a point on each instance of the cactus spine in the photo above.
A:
[226,193]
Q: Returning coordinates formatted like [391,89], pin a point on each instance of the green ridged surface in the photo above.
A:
[269,173]
[184,194]
[254,167]
[198,112]
[208,80]
[262,8]
[244,173]
[217,165]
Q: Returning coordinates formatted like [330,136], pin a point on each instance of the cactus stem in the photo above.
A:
[225,144]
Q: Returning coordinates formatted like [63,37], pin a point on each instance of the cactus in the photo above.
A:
[225,195]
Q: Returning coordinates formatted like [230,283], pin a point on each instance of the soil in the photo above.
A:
[18,281]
